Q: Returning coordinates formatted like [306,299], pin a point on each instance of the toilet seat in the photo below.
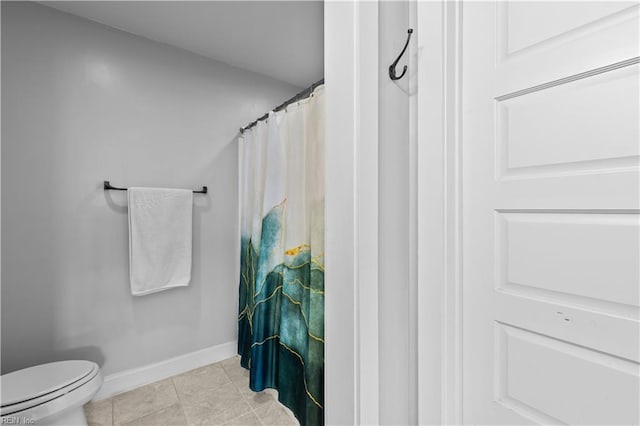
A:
[32,387]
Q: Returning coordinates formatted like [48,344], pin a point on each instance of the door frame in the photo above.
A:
[351,244]
[351,212]
[439,205]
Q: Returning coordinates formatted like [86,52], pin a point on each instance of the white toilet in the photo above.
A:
[49,394]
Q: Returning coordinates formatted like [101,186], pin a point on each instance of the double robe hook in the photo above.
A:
[392,67]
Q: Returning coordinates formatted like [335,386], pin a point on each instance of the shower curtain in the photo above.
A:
[281,309]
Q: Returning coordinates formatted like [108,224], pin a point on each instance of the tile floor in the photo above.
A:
[217,394]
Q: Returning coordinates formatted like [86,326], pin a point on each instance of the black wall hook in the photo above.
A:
[392,67]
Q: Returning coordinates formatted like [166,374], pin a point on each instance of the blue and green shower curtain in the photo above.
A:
[281,309]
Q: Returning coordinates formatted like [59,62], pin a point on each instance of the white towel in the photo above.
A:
[159,239]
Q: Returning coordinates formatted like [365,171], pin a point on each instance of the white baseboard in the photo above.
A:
[136,377]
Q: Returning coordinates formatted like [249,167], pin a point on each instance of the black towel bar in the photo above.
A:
[108,186]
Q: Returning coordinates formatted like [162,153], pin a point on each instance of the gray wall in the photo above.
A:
[82,103]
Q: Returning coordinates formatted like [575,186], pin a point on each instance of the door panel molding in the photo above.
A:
[617,12]
[569,79]
[570,363]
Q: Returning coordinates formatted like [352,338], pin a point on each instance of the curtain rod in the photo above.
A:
[298,97]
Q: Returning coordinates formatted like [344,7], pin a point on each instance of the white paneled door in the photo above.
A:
[550,213]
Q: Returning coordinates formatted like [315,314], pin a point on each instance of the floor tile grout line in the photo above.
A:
[251,407]
[186,419]
[150,414]
[224,370]
[239,387]
[253,410]
[275,400]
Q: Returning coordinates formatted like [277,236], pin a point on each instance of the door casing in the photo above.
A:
[438,194]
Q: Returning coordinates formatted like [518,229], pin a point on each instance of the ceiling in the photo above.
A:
[281,39]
